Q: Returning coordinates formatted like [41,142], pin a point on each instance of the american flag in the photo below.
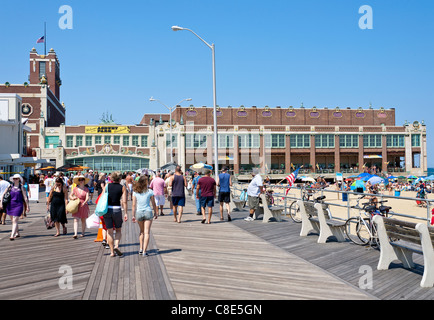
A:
[291,179]
[41,40]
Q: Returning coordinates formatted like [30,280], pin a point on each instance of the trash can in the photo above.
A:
[345,196]
[397,193]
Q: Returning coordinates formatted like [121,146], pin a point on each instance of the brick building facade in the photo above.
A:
[323,140]
[41,103]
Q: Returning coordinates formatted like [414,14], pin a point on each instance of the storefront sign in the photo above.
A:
[34,192]
[372,156]
[107,129]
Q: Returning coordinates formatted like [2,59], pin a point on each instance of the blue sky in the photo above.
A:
[275,53]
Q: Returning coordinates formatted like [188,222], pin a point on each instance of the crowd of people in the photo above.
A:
[148,195]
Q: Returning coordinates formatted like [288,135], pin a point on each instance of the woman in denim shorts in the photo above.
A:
[143,199]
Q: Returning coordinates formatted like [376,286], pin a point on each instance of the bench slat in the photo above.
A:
[400,236]
[335,223]
[402,230]
[407,245]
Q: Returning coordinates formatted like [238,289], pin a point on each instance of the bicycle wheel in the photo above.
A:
[356,231]
[294,212]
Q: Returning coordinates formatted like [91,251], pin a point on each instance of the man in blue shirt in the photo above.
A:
[225,183]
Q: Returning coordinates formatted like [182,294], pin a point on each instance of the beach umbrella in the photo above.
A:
[200,166]
[375,180]
[48,168]
[67,166]
[146,171]
[366,177]
[308,179]
[411,177]
[357,184]
[420,179]
[430,178]
[76,168]
[364,174]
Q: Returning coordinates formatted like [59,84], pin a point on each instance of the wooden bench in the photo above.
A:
[307,224]
[269,212]
[316,220]
[236,204]
[329,227]
[407,238]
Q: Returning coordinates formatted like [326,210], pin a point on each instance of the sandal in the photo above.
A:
[118,252]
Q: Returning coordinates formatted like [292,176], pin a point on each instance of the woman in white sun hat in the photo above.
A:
[80,192]
[15,207]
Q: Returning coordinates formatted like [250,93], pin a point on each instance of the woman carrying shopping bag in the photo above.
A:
[80,192]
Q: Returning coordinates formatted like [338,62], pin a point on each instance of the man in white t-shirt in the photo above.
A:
[254,189]
[48,184]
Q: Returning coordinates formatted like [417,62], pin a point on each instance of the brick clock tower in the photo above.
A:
[41,103]
[48,67]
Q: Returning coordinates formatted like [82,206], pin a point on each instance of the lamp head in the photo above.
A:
[152,99]
[177,28]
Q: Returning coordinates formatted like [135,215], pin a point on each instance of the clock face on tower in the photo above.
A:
[26,109]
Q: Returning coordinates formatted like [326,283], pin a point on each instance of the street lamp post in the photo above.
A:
[212,47]
[170,110]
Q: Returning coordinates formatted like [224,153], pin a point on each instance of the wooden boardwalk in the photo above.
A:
[193,261]
[346,261]
[221,261]
[33,265]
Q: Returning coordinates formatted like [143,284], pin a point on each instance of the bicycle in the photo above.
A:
[294,208]
[361,230]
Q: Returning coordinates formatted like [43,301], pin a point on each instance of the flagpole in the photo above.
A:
[45,38]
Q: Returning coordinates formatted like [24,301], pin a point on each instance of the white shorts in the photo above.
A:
[159,200]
